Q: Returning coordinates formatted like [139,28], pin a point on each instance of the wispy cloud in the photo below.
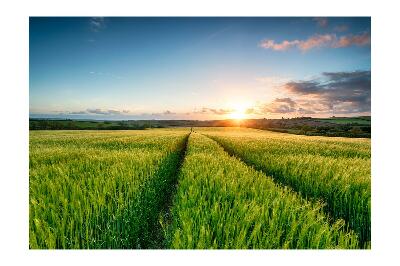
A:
[359,40]
[165,113]
[99,111]
[77,113]
[318,41]
[214,111]
[168,112]
[96,111]
[283,46]
[106,74]
[97,24]
[321,21]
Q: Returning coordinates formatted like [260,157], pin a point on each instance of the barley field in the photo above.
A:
[210,188]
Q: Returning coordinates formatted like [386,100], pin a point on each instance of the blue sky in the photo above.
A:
[198,68]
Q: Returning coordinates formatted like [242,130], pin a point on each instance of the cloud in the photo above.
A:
[321,21]
[283,46]
[359,40]
[98,111]
[114,112]
[344,92]
[97,24]
[318,41]
[94,111]
[220,111]
[280,105]
[78,113]
[168,113]
[302,88]
[338,92]
[304,111]
[213,111]
[105,74]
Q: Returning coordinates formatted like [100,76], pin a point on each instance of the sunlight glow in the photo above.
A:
[239,112]
[237,115]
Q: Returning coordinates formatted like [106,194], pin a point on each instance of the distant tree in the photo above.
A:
[70,125]
[355,130]
[305,129]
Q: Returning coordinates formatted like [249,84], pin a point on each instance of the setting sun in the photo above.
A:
[239,112]
[237,115]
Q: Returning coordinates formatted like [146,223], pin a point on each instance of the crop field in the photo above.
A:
[100,189]
[213,188]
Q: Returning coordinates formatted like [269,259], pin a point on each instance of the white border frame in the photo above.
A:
[14,132]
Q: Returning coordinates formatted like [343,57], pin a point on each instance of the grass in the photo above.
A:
[336,170]
[222,203]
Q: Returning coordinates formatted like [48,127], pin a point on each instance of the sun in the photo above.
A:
[238,115]
[239,112]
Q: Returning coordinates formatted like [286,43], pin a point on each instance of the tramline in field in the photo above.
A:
[222,203]
[334,170]
[100,189]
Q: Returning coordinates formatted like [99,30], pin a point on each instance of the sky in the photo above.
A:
[199,67]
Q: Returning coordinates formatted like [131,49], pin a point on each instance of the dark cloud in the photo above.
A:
[345,92]
[280,105]
[302,87]
[337,92]
[343,76]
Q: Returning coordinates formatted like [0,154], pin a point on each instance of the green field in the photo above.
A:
[362,120]
[215,188]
